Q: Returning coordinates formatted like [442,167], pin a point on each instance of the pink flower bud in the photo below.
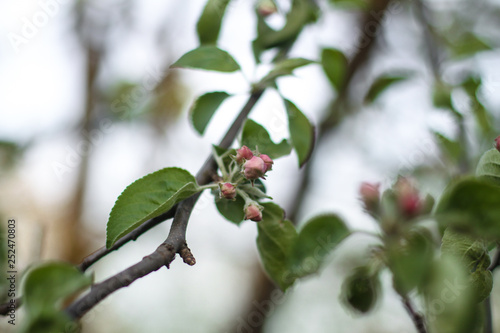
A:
[370,195]
[242,154]
[267,161]
[497,141]
[252,212]
[408,198]
[410,205]
[227,190]
[254,168]
[266,8]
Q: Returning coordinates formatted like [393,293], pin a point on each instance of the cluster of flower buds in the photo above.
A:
[404,197]
[251,165]
[254,166]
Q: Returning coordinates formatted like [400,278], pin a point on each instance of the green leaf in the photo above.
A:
[441,97]
[380,85]
[255,135]
[274,242]
[319,236]
[209,23]
[361,290]
[232,210]
[209,58]
[483,118]
[468,45]
[452,148]
[48,285]
[350,4]
[55,322]
[471,205]
[488,167]
[409,260]
[450,306]
[255,191]
[334,64]
[301,132]
[282,68]
[204,108]
[147,198]
[473,254]
[302,12]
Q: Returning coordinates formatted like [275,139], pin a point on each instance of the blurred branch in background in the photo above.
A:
[71,240]
[263,286]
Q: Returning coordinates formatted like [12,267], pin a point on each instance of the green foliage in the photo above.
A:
[10,152]
[488,167]
[468,45]
[450,307]
[409,259]
[288,255]
[471,205]
[350,4]
[360,291]
[381,84]
[451,147]
[319,236]
[301,132]
[231,210]
[334,64]
[282,68]
[147,198]
[45,289]
[255,135]
[274,242]
[204,108]
[209,23]
[226,153]
[302,12]
[471,86]
[473,254]
[441,97]
[208,58]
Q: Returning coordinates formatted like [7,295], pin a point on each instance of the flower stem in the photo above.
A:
[220,164]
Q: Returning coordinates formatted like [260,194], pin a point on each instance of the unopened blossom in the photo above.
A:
[370,194]
[243,154]
[254,168]
[408,197]
[227,190]
[497,141]
[253,212]
[267,161]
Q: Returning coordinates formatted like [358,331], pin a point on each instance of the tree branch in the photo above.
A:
[416,317]
[132,236]
[176,240]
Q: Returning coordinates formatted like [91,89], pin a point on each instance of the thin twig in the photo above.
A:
[488,323]
[416,317]
[496,260]
[176,240]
